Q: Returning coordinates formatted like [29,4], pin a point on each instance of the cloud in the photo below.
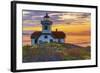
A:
[71,18]
[26,12]
[31,23]
[82,33]
[76,18]
[85,15]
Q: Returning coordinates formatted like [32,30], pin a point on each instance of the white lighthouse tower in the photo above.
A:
[46,24]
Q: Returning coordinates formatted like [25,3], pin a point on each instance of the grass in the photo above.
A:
[55,52]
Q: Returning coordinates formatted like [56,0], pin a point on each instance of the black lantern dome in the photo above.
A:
[46,16]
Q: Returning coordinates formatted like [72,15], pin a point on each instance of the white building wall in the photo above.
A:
[43,39]
[46,31]
[33,41]
[62,40]
[56,40]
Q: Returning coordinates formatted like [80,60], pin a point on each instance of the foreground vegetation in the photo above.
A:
[55,52]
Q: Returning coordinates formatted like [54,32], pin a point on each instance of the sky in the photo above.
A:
[76,25]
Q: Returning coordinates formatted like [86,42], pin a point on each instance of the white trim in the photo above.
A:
[36,65]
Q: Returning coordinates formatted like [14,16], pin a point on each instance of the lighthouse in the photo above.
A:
[47,35]
[46,24]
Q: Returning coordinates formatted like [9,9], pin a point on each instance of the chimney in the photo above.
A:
[56,30]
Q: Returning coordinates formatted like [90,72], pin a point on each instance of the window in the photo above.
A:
[40,41]
[59,40]
[51,40]
[45,36]
[45,27]
[35,41]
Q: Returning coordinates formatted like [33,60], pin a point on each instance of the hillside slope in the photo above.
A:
[55,52]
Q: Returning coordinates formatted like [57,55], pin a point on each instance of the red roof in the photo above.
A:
[54,34]
[36,34]
[58,34]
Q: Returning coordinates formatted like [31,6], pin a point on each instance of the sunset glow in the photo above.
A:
[76,26]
